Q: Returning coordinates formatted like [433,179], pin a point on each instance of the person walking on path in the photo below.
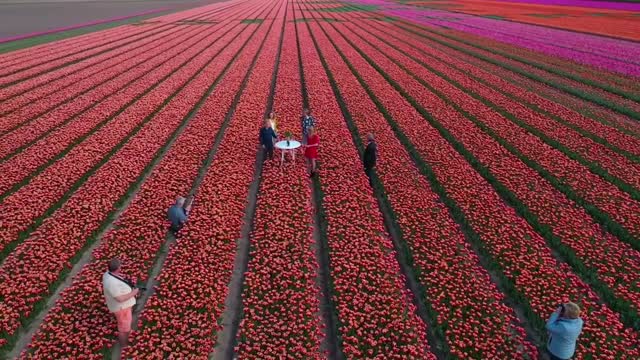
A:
[370,156]
[267,134]
[178,214]
[311,151]
[120,296]
[306,122]
[564,327]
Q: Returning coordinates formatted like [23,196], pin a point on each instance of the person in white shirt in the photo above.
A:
[120,296]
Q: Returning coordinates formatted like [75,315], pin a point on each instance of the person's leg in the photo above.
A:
[313,165]
[553,357]
[270,151]
[124,318]
[367,171]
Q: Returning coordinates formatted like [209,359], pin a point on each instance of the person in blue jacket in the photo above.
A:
[564,327]
[267,135]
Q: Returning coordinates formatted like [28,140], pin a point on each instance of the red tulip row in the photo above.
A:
[75,59]
[12,72]
[73,62]
[568,221]
[281,298]
[54,123]
[619,204]
[611,135]
[82,42]
[469,306]
[23,208]
[520,252]
[137,236]
[67,82]
[63,46]
[64,233]
[96,88]
[181,318]
[376,315]
[482,43]
[25,92]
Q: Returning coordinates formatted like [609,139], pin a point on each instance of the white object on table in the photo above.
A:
[290,148]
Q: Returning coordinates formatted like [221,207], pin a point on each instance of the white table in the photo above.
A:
[290,148]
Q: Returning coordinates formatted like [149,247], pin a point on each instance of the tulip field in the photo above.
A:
[507,182]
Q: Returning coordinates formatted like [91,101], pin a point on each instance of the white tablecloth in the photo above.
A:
[293,144]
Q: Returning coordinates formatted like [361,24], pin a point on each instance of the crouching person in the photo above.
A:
[120,296]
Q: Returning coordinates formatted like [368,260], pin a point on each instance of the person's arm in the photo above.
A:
[273,134]
[260,137]
[122,292]
[553,326]
[182,217]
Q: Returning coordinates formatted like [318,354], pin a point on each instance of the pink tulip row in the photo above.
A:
[56,180]
[65,232]
[136,237]
[568,220]
[608,133]
[468,304]
[616,120]
[599,114]
[376,315]
[621,81]
[53,123]
[182,317]
[281,298]
[619,204]
[515,246]
[436,34]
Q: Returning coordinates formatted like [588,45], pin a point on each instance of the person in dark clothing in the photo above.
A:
[306,121]
[266,139]
[370,156]
[178,214]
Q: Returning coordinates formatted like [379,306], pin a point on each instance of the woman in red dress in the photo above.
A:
[311,150]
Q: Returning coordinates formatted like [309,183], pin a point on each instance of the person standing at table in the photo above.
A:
[311,150]
[267,134]
[370,156]
[306,122]
[273,121]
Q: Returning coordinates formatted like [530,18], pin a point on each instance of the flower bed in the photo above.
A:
[65,232]
[375,313]
[182,317]
[281,298]
[469,309]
